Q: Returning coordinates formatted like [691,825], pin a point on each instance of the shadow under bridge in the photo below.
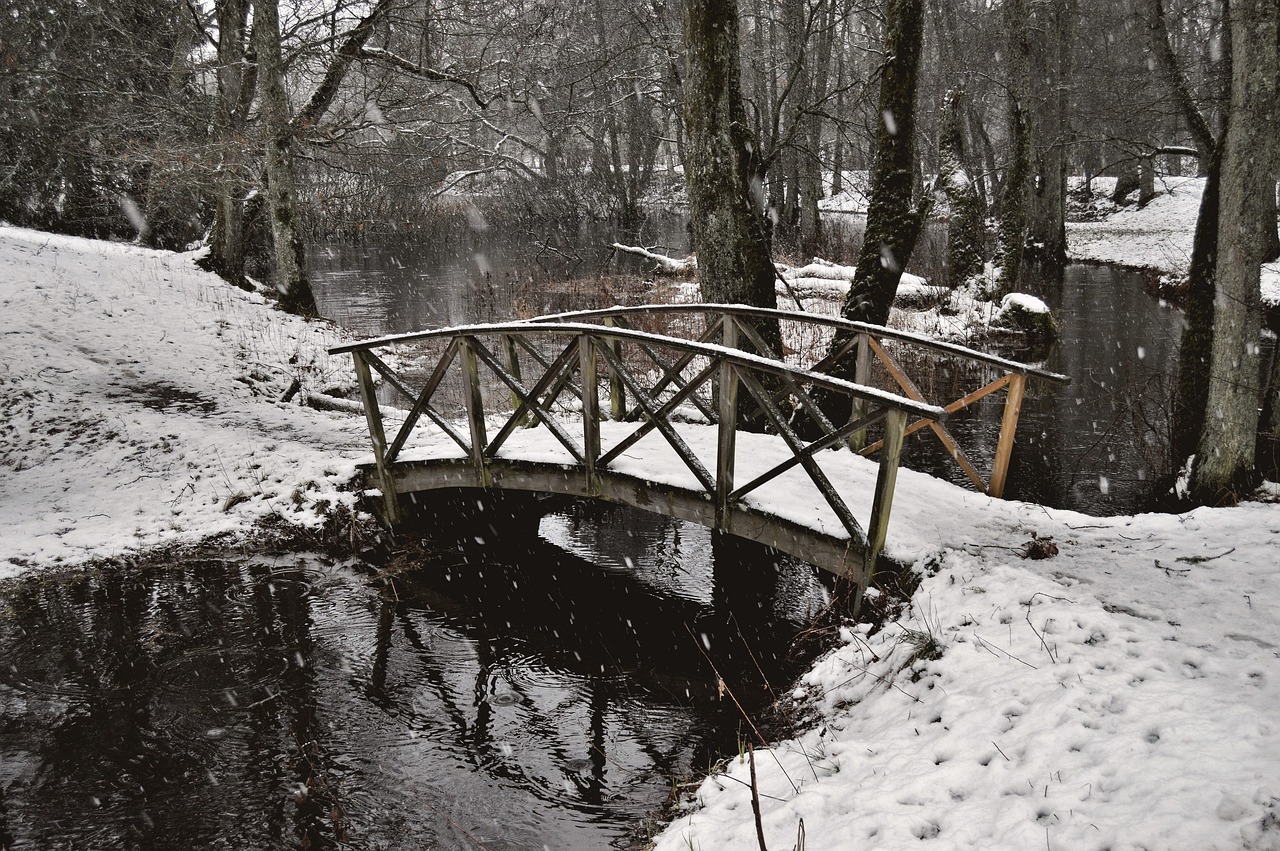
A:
[682,410]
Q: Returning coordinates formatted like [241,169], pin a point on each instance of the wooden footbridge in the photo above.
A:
[681,410]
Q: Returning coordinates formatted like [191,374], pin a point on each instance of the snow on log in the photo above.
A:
[663,264]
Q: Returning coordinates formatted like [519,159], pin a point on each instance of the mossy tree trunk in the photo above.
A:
[893,223]
[729,232]
[231,104]
[966,252]
[1011,235]
[1224,466]
[1047,222]
[291,276]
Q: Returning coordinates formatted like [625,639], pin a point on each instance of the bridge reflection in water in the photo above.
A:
[683,410]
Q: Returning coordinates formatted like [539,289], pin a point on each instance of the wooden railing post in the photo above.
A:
[590,409]
[617,392]
[861,375]
[378,436]
[513,367]
[1008,428]
[475,409]
[895,423]
[727,435]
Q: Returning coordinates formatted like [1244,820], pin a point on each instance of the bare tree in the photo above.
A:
[1224,465]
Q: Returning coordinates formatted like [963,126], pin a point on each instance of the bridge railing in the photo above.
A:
[926,370]
[481,385]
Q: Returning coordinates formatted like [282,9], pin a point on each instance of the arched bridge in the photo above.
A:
[682,410]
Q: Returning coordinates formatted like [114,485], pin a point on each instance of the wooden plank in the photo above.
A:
[590,410]
[1008,428]
[475,405]
[663,413]
[726,428]
[832,553]
[377,435]
[422,401]
[878,527]
[816,474]
[617,392]
[826,442]
[959,404]
[861,375]
[652,411]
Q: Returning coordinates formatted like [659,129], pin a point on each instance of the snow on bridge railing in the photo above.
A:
[548,374]
[879,354]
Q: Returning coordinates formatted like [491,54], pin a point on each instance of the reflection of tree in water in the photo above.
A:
[131,678]
[520,695]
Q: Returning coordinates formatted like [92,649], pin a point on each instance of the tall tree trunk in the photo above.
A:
[1192,392]
[226,242]
[1016,200]
[729,234]
[893,225]
[1047,223]
[291,276]
[1225,456]
[965,250]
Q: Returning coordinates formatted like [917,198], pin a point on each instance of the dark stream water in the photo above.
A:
[526,692]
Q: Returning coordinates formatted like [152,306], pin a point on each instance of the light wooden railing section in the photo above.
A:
[862,350]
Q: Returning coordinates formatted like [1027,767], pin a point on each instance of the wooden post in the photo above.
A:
[475,409]
[1008,428]
[895,423]
[861,375]
[590,410]
[726,445]
[513,367]
[377,434]
[617,392]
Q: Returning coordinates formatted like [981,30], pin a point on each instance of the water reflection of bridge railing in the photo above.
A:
[665,369]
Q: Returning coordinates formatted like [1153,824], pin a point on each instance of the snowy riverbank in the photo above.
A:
[1157,236]
[139,405]
[1120,694]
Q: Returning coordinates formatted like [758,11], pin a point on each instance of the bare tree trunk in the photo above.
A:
[1224,466]
[226,242]
[291,277]
[1047,223]
[893,225]
[729,234]
[1015,203]
[965,250]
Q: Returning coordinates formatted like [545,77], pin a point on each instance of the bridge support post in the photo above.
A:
[378,435]
[1008,428]
[475,409]
[617,392]
[727,433]
[590,410]
[861,375]
[895,423]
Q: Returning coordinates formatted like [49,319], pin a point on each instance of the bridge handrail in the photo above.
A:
[839,323]
[737,357]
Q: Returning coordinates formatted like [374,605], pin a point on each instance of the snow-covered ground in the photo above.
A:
[139,405]
[1157,236]
[1121,694]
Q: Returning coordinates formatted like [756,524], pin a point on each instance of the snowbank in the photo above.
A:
[139,405]
[1121,694]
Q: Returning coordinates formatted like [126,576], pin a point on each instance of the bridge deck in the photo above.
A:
[791,514]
